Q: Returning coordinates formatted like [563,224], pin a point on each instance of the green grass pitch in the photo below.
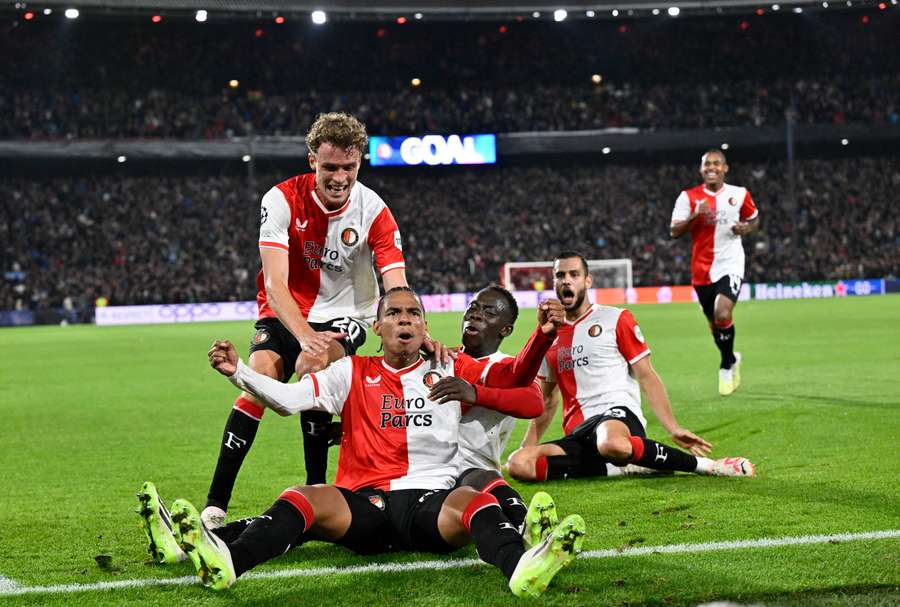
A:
[88,413]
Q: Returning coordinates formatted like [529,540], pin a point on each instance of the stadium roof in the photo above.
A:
[447,9]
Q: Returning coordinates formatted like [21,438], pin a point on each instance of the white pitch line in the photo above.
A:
[775,542]
[7,584]
[742,544]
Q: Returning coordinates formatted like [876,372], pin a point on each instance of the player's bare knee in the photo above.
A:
[307,363]
[616,449]
[723,316]
[521,466]
[268,363]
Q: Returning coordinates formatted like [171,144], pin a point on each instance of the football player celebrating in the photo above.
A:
[394,486]
[320,235]
[483,432]
[717,214]
[601,362]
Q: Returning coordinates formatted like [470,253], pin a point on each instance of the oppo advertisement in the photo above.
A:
[433,150]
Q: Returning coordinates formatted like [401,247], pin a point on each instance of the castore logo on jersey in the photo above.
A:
[373,381]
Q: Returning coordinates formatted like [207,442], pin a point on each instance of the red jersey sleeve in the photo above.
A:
[520,371]
[467,368]
[524,403]
[748,208]
[385,242]
[629,338]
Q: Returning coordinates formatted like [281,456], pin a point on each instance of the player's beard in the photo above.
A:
[577,301]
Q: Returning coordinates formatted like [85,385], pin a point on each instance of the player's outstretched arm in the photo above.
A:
[524,403]
[658,398]
[539,425]
[284,399]
[520,371]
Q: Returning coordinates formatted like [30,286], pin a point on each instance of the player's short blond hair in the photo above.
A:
[340,130]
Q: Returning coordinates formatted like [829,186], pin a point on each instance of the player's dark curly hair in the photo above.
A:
[380,311]
[510,301]
[570,255]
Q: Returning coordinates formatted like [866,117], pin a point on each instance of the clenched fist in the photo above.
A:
[551,315]
[223,357]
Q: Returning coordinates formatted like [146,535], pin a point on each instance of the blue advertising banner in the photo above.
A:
[816,289]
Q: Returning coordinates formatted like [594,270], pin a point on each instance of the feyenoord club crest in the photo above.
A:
[261,336]
[349,237]
[377,501]
[732,201]
[431,378]
[595,330]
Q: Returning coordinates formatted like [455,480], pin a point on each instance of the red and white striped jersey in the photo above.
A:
[483,433]
[716,250]
[589,361]
[330,252]
[393,436]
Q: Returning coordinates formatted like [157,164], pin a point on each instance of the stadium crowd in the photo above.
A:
[61,81]
[35,114]
[143,240]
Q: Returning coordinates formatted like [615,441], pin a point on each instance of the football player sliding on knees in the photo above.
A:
[601,362]
[394,487]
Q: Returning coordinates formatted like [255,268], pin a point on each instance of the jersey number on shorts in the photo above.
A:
[349,326]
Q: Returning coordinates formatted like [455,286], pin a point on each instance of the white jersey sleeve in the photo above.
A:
[285,399]
[332,385]
[323,391]
[274,220]
[682,208]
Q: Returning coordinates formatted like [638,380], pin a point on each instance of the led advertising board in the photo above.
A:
[432,150]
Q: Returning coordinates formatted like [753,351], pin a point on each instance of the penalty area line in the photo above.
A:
[9,587]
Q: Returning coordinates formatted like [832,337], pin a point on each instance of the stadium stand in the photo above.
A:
[136,239]
[473,77]
[141,240]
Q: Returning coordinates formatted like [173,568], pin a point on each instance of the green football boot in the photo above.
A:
[210,554]
[540,519]
[539,564]
[157,525]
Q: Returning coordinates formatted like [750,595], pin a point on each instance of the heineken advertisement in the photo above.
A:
[817,289]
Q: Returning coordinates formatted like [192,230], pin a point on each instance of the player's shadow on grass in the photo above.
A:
[816,399]
[800,492]
[323,554]
[660,580]
[794,490]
